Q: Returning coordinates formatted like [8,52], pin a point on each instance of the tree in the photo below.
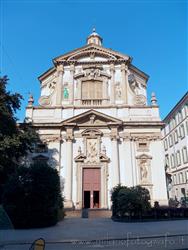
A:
[131,201]
[32,196]
[15,140]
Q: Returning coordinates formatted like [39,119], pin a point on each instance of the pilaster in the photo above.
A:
[115,156]
[69,168]
[124,82]
[72,69]
[112,94]
[60,71]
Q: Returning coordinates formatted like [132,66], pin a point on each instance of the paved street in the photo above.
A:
[77,233]
[168,243]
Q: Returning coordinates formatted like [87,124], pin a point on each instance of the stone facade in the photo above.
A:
[175,138]
[93,115]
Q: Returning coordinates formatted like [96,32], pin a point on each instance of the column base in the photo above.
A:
[68,204]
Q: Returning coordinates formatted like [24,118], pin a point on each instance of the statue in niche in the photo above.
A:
[65,93]
[144,170]
[118,90]
[92,151]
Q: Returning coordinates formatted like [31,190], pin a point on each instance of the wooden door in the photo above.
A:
[91,185]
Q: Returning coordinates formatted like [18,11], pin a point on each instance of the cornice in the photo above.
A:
[107,106]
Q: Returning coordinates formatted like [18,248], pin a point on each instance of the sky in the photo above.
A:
[154,33]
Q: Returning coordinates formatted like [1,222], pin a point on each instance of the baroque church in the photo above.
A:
[97,127]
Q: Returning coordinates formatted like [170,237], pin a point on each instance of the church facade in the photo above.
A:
[97,127]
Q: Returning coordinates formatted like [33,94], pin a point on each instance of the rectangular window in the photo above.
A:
[180,118]
[176,136]
[186,176]
[175,179]
[182,131]
[186,127]
[172,158]
[184,155]
[91,90]
[165,144]
[178,158]
[170,140]
[167,160]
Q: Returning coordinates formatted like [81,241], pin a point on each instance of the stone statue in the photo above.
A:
[118,90]
[65,93]
[143,171]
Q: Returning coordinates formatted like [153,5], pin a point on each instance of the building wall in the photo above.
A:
[126,125]
[175,140]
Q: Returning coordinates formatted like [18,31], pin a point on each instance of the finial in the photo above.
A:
[94,29]
[30,100]
[153,99]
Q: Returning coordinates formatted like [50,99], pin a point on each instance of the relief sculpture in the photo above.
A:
[45,100]
[92,150]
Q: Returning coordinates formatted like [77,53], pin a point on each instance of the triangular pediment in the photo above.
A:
[89,51]
[92,118]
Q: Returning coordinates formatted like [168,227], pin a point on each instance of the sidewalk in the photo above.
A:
[76,229]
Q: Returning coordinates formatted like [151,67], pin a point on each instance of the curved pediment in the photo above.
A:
[89,52]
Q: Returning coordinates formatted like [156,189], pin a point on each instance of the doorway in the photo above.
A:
[91,187]
[86,199]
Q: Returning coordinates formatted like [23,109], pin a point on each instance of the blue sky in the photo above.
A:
[152,32]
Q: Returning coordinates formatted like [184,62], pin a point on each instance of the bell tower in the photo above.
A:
[94,38]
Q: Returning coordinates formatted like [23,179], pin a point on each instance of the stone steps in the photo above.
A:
[99,213]
[88,213]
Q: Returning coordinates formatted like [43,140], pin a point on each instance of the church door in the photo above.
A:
[91,187]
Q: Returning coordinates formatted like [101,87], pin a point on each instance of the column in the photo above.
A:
[124,82]
[112,94]
[115,157]
[72,84]
[60,71]
[69,169]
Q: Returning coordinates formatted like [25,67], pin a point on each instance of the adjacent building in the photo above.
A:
[97,126]
[175,138]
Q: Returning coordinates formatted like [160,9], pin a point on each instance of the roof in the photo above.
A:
[176,107]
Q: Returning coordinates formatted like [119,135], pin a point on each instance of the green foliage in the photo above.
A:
[5,222]
[131,201]
[15,140]
[32,196]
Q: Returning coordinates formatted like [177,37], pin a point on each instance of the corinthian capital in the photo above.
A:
[112,68]
[124,67]
[60,68]
[72,68]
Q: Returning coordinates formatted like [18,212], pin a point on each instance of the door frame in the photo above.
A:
[91,189]
[104,183]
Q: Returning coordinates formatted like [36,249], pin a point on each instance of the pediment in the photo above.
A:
[89,51]
[144,156]
[80,158]
[103,158]
[92,118]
